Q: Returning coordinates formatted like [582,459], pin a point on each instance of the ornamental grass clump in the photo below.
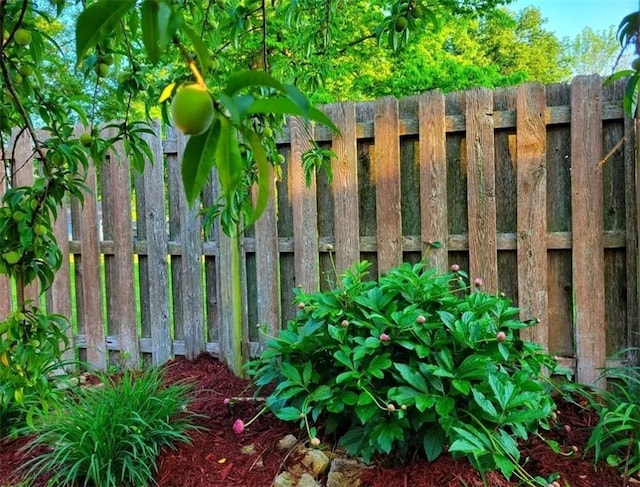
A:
[111,436]
[426,361]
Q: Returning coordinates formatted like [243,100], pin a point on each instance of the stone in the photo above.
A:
[345,473]
[284,479]
[307,480]
[315,462]
[287,443]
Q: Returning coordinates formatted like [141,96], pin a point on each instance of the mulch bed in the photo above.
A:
[215,458]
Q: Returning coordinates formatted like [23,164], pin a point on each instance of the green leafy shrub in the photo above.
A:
[31,345]
[616,437]
[112,435]
[415,360]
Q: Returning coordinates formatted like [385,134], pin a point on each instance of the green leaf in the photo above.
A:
[486,405]
[204,57]
[291,373]
[228,159]
[342,357]
[424,402]
[264,176]
[158,27]
[630,101]
[288,413]
[433,442]
[365,413]
[286,106]
[505,465]
[248,79]
[96,23]
[198,159]
[412,377]
[322,393]
[464,386]
[444,405]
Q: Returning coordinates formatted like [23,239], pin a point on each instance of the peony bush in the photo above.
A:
[414,360]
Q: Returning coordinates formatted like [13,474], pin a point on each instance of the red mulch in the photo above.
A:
[214,457]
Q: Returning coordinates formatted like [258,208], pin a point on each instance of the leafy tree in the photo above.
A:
[597,52]
[237,61]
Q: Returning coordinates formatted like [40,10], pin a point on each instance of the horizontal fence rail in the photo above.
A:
[532,188]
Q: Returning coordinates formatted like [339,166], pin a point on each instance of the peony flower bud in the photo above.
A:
[478,281]
[384,337]
[238,426]
[501,336]
[454,268]
[226,401]
[391,408]
[420,319]
[344,323]
[314,442]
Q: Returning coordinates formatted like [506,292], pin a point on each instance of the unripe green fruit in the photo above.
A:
[86,139]
[22,37]
[401,24]
[18,216]
[192,109]
[33,204]
[417,11]
[17,78]
[101,70]
[123,77]
[12,257]
[280,159]
[25,70]
[40,230]
[267,132]
[107,59]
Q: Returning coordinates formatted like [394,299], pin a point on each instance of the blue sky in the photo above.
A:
[569,17]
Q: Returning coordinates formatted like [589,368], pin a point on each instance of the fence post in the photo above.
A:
[587,227]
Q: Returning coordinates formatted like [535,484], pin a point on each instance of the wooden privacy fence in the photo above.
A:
[514,184]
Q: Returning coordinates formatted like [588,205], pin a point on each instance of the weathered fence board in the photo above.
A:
[433,178]
[119,277]
[481,188]
[305,219]
[386,171]
[90,311]
[532,211]
[587,225]
[345,186]
[512,183]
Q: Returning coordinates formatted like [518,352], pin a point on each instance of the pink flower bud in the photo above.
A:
[384,337]
[501,336]
[314,442]
[238,426]
[226,401]
[478,281]
[344,323]
[454,268]
[391,408]
[420,319]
